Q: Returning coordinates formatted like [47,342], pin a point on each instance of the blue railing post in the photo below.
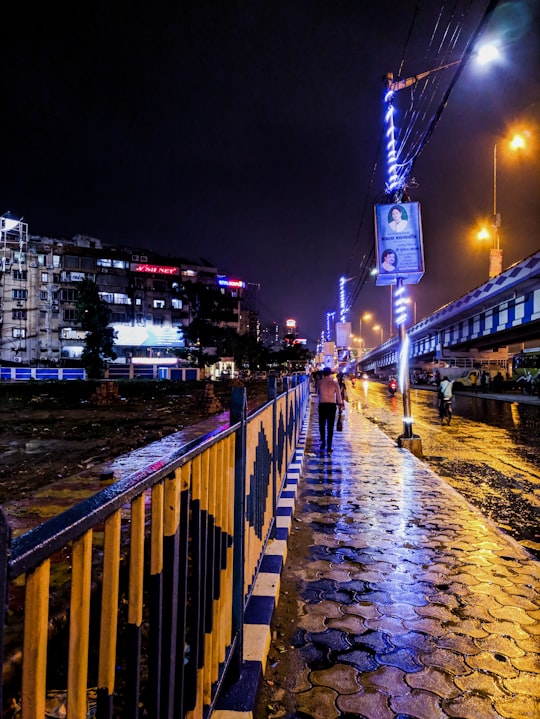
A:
[286,389]
[238,414]
[272,387]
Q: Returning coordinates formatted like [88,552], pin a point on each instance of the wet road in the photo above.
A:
[490,453]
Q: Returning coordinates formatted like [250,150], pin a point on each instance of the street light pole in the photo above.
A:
[365,316]
[495,255]
[380,329]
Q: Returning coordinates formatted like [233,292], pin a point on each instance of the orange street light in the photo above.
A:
[380,329]
[495,257]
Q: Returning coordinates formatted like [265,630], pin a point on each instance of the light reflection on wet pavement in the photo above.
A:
[398,599]
[490,453]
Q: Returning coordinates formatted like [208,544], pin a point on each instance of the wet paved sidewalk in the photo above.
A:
[398,600]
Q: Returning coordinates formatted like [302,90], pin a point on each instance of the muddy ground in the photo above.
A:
[53,430]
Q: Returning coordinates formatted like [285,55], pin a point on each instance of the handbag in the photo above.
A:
[339,425]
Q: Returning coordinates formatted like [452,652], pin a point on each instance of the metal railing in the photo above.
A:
[131,603]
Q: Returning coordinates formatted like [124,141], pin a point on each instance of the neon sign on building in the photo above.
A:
[224,282]
[153,269]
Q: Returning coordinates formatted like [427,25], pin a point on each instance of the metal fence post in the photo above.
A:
[238,414]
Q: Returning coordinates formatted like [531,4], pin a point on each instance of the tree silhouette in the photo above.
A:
[93,315]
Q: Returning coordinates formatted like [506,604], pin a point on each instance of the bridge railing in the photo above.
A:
[131,603]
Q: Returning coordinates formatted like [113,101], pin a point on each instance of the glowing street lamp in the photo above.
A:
[409,301]
[495,257]
[379,328]
[365,316]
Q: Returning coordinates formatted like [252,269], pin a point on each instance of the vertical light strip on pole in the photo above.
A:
[391,155]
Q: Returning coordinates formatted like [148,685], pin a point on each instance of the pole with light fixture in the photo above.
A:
[379,328]
[365,316]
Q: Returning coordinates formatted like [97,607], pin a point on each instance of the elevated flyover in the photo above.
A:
[503,311]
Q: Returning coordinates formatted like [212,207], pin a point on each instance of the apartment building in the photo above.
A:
[145,292]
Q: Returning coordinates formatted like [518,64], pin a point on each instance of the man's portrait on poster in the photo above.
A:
[398,219]
[389,261]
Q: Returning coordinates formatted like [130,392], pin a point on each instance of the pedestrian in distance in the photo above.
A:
[329,400]
[342,388]
[445,400]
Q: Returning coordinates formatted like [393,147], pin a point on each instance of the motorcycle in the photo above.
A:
[392,386]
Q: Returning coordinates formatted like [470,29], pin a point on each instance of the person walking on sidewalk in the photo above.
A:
[445,400]
[329,399]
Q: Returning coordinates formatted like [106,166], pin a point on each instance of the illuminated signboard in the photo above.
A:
[290,323]
[224,282]
[153,269]
[398,237]
[67,333]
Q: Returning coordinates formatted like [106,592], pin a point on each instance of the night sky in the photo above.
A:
[248,133]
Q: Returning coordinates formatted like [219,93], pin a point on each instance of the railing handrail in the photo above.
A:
[28,549]
[204,486]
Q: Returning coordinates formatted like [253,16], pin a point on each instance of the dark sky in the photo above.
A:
[248,133]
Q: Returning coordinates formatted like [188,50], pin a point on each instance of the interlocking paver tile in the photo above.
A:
[326,608]
[402,658]
[470,627]
[482,683]
[319,703]
[364,661]
[528,663]
[508,629]
[413,640]
[472,706]
[348,623]
[512,614]
[434,680]
[369,704]
[341,677]
[434,627]
[520,707]
[524,684]
[496,664]
[500,644]
[459,643]
[386,624]
[313,622]
[530,644]
[445,659]
[368,611]
[418,703]
[436,611]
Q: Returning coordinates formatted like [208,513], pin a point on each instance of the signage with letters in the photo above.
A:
[399,244]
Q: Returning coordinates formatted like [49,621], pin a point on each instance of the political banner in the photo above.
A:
[399,244]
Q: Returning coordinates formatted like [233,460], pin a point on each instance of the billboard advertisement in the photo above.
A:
[399,245]
[343,334]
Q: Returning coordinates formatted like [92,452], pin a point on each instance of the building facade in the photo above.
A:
[144,290]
